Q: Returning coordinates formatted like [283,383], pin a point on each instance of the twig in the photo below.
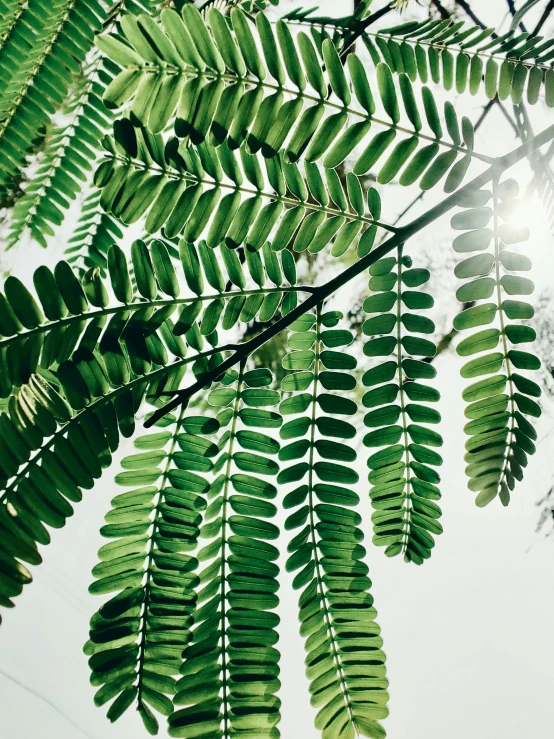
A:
[445,15]
[320,293]
[465,6]
[544,17]
[507,115]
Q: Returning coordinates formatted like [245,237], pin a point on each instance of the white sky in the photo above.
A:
[468,636]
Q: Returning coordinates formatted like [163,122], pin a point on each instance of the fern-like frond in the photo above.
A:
[232,196]
[465,57]
[57,437]
[39,60]
[246,84]
[66,160]
[138,636]
[230,669]
[501,437]
[135,331]
[402,475]
[344,662]
[451,53]
[94,233]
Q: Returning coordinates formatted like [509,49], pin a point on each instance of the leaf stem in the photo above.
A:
[507,362]
[405,535]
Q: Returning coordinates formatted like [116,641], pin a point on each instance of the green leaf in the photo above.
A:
[388,92]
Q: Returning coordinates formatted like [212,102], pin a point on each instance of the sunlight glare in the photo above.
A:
[529,211]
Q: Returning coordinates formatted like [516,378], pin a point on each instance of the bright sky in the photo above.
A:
[468,636]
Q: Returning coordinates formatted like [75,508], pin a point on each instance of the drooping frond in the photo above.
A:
[402,475]
[67,159]
[38,60]
[501,437]
[233,196]
[251,84]
[344,662]
[138,636]
[44,486]
[57,438]
[230,669]
[451,53]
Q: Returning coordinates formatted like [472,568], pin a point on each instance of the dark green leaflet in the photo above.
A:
[232,196]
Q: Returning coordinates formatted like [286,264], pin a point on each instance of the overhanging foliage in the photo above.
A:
[241,153]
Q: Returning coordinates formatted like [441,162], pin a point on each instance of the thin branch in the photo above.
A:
[485,112]
[544,17]
[465,6]
[444,14]
[329,288]
[507,115]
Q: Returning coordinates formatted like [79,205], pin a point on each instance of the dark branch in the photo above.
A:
[465,6]
[329,288]
[444,14]
[544,17]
